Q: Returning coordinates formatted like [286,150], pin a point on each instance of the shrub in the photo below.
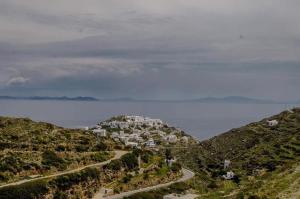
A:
[99,157]
[81,148]
[67,181]
[115,165]
[101,146]
[126,178]
[179,187]
[51,159]
[60,195]
[176,167]
[129,161]
[30,190]
[60,148]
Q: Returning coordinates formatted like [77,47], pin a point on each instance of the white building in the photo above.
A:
[272,123]
[226,164]
[185,139]
[170,162]
[146,133]
[100,132]
[86,128]
[124,139]
[139,121]
[150,143]
[115,135]
[132,144]
[229,175]
[133,136]
[171,138]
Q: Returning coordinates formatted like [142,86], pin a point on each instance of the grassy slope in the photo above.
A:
[35,148]
[260,155]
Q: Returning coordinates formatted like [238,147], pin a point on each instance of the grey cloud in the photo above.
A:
[16,81]
[145,49]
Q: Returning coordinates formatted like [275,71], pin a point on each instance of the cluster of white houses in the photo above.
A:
[134,122]
[142,131]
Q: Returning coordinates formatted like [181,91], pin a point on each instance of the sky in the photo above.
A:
[149,49]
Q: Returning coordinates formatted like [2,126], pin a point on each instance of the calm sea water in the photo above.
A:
[198,119]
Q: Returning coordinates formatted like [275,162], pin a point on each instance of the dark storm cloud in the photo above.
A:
[147,49]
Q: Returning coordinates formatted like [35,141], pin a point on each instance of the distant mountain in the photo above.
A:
[234,99]
[228,99]
[63,98]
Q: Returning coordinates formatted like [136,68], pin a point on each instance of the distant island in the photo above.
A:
[63,98]
[227,99]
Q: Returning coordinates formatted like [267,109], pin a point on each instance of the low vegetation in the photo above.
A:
[35,148]
[265,161]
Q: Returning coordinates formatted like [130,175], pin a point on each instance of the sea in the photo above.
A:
[201,120]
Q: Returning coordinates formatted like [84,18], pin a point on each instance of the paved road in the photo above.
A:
[118,154]
[187,174]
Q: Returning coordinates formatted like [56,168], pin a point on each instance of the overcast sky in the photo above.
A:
[149,49]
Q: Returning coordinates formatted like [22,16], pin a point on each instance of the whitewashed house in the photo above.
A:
[115,135]
[132,144]
[150,143]
[171,138]
[124,139]
[86,128]
[170,162]
[123,125]
[139,139]
[185,139]
[226,164]
[147,134]
[272,123]
[229,175]
[100,132]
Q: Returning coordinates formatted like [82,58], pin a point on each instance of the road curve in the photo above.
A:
[187,174]
[118,154]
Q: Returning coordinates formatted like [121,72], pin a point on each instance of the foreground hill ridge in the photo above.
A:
[263,158]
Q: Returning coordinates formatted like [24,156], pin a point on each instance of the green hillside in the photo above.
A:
[265,161]
[30,149]
[260,155]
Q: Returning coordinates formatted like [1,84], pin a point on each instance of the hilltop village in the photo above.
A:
[138,132]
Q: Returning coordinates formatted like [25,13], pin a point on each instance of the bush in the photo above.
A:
[115,165]
[212,185]
[143,196]
[126,178]
[67,181]
[81,148]
[146,156]
[99,157]
[129,161]
[30,190]
[51,159]
[60,195]
[176,167]
[60,148]
[179,187]
[101,146]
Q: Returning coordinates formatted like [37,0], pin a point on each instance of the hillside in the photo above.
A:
[30,149]
[259,155]
[265,161]
[41,160]
[263,157]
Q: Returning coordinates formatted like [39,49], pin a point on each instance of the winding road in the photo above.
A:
[187,174]
[118,155]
